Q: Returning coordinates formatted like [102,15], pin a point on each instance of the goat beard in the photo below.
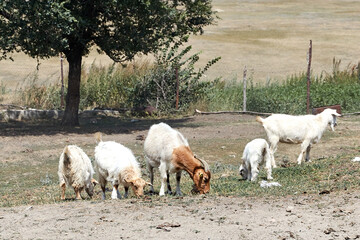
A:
[195,190]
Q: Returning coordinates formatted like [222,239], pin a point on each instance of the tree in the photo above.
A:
[119,28]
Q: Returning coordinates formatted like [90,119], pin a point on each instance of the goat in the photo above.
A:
[168,150]
[256,153]
[117,164]
[305,129]
[75,170]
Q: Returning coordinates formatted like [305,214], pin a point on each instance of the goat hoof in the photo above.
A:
[179,194]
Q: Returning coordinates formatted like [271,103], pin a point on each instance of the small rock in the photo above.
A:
[289,209]
[272,220]
[329,230]
[29,208]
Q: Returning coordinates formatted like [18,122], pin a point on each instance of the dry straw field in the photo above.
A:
[270,37]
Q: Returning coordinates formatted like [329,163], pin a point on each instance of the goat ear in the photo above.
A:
[94,182]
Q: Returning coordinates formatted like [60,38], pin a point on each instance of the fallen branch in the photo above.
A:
[232,112]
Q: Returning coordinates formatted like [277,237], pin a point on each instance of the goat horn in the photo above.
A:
[204,163]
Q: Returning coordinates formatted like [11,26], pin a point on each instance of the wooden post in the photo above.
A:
[62,81]
[244,90]
[358,68]
[308,79]
[177,87]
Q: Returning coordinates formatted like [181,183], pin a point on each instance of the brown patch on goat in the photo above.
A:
[63,188]
[78,192]
[131,177]
[183,159]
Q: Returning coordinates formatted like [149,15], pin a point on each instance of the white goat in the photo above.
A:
[117,164]
[75,170]
[168,150]
[306,129]
[256,153]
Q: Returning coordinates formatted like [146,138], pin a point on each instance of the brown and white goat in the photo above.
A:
[75,170]
[168,150]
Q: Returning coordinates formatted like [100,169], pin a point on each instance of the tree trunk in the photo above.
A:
[71,115]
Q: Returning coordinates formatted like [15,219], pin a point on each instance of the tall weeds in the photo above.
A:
[289,96]
[142,83]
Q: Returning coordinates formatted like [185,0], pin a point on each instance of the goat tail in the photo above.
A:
[98,137]
[259,119]
[66,155]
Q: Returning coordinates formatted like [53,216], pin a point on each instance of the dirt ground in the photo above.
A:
[305,216]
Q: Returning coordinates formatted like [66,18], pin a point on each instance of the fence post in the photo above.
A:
[177,87]
[62,81]
[244,89]
[358,68]
[308,79]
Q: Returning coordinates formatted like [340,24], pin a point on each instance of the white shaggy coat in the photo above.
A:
[305,129]
[256,153]
[75,170]
[117,164]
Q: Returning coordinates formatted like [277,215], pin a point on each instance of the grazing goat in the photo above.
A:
[256,153]
[168,150]
[306,129]
[117,164]
[75,170]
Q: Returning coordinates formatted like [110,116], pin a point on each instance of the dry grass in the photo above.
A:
[270,37]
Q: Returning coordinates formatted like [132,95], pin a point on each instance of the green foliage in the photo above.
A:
[36,95]
[289,96]
[110,87]
[142,84]
[121,29]
[158,87]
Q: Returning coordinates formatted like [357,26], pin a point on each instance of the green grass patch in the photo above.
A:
[27,183]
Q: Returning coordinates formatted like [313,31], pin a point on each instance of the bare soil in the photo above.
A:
[304,217]
[334,215]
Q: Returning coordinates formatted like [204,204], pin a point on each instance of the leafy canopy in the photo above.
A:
[120,28]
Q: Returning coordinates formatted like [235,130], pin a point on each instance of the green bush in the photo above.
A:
[158,87]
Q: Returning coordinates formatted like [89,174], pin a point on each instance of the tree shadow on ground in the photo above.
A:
[108,125]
